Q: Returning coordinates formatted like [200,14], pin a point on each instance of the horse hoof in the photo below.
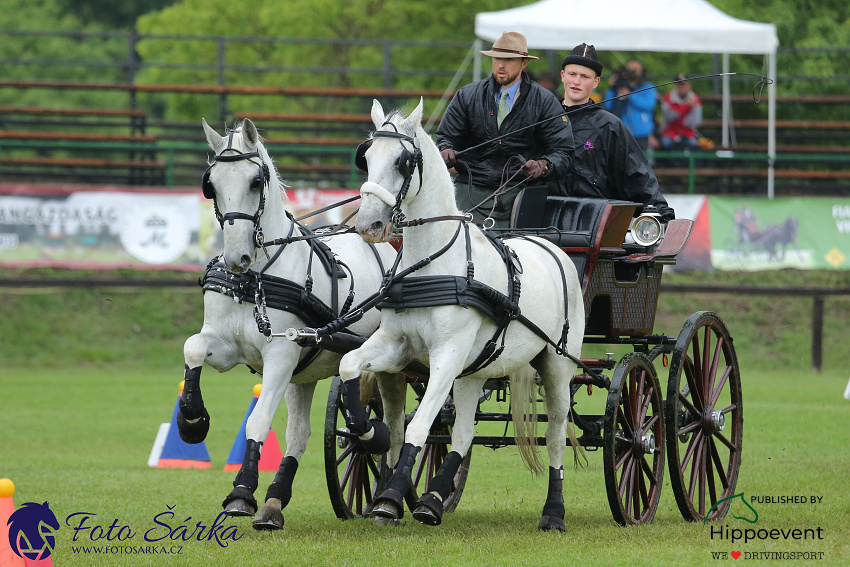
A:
[195,431]
[382,521]
[549,523]
[240,507]
[426,516]
[429,510]
[268,519]
[386,509]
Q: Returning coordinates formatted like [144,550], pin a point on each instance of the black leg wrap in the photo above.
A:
[442,481]
[380,441]
[391,501]
[193,421]
[281,487]
[248,476]
[355,415]
[553,509]
[429,507]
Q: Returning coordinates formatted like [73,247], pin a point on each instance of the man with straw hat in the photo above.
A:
[504,133]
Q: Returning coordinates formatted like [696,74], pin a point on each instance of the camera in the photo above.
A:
[621,78]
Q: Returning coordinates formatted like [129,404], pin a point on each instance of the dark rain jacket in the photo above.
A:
[608,162]
[470,119]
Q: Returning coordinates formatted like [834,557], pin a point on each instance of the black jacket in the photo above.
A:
[470,119]
[608,162]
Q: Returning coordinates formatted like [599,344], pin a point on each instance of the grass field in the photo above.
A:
[78,423]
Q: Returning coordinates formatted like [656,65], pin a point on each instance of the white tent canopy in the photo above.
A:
[686,26]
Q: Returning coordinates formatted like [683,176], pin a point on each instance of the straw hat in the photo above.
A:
[510,45]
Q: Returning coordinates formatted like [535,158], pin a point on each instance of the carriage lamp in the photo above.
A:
[647,229]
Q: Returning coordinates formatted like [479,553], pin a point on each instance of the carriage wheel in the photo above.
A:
[353,476]
[704,418]
[433,455]
[633,441]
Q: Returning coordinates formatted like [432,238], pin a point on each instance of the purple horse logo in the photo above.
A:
[31,530]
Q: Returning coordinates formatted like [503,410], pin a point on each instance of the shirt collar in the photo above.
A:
[512,90]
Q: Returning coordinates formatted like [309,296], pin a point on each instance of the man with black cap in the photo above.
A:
[524,138]
[608,162]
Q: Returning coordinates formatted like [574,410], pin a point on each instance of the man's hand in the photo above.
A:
[449,158]
[535,169]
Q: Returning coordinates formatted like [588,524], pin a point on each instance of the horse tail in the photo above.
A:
[524,416]
[579,454]
[367,387]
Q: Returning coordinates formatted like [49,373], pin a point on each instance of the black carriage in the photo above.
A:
[694,419]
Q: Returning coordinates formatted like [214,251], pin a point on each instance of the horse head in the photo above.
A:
[239,180]
[393,156]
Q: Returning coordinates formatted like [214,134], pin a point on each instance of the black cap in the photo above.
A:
[583,54]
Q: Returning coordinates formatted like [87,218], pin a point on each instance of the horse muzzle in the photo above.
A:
[378,231]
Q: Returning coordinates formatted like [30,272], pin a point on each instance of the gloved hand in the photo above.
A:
[449,157]
[535,169]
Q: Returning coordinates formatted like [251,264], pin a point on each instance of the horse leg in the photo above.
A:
[193,421]
[466,393]
[390,503]
[241,501]
[379,353]
[299,398]
[555,373]
[393,388]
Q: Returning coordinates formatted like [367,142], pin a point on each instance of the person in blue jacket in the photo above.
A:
[637,109]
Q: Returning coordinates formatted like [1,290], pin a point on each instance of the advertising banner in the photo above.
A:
[112,227]
[754,234]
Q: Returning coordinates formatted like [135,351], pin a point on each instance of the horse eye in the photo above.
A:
[402,164]
[256,183]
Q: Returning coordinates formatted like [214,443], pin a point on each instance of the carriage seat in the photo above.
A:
[569,222]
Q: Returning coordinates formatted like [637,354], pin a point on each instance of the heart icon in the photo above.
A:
[735,554]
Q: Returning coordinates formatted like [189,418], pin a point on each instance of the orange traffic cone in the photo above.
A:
[8,556]
[270,456]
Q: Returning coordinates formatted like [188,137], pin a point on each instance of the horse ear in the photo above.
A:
[377,113]
[415,117]
[213,139]
[249,133]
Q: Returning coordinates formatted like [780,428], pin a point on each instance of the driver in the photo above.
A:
[502,105]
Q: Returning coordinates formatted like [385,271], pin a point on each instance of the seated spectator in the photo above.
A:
[682,110]
[608,162]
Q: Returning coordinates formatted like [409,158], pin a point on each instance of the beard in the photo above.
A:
[507,80]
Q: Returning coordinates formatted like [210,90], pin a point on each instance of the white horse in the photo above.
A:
[249,203]
[407,175]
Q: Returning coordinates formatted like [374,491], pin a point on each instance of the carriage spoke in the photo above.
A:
[650,423]
[650,474]
[623,458]
[721,473]
[709,471]
[626,476]
[729,408]
[689,427]
[691,448]
[696,394]
[628,428]
[637,399]
[696,466]
[715,395]
[712,374]
[725,441]
[345,453]
[635,487]
[706,353]
[688,405]
[346,475]
[647,402]
[642,481]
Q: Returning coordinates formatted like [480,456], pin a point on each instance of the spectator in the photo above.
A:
[521,117]
[682,110]
[635,109]
[608,162]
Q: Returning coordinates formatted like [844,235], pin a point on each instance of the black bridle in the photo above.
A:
[209,190]
[407,164]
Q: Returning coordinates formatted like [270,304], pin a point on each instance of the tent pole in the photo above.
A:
[476,73]
[725,104]
[771,122]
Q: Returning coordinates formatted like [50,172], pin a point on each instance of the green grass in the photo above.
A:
[79,439]
[88,375]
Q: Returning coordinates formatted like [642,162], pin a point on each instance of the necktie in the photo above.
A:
[504,109]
